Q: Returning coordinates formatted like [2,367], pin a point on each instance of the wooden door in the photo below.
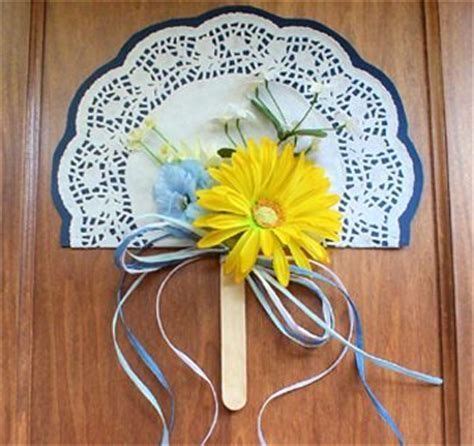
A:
[61,382]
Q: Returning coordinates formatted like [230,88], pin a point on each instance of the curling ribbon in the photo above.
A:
[169,232]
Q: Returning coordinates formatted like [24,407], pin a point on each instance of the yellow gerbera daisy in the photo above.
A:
[271,202]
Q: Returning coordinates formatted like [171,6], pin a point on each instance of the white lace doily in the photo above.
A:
[186,71]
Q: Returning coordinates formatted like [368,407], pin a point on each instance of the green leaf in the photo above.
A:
[262,108]
[318,133]
[226,152]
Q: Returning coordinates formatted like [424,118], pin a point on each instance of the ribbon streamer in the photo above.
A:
[269,292]
[141,386]
[145,357]
[183,356]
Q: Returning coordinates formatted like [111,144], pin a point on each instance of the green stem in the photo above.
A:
[242,137]
[313,101]
[308,150]
[330,129]
[150,153]
[262,108]
[165,139]
[316,133]
[280,111]
[226,130]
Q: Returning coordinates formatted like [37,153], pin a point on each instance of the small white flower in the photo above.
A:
[224,119]
[351,124]
[233,112]
[317,88]
[134,139]
[149,123]
[321,87]
[267,74]
[136,136]
[166,154]
[245,114]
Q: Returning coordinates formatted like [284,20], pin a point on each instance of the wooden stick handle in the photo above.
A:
[233,343]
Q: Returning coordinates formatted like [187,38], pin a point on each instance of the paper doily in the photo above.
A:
[186,70]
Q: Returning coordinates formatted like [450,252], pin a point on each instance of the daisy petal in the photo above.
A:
[249,251]
[298,255]
[214,238]
[221,221]
[314,249]
[212,201]
[280,265]
[271,201]
[232,262]
[266,242]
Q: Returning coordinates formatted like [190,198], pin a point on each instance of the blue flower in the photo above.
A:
[175,189]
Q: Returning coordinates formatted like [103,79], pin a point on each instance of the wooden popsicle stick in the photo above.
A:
[233,343]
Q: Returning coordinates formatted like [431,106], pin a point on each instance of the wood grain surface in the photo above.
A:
[60,379]
[14,68]
[456,26]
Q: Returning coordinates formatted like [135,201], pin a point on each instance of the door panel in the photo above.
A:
[77,392]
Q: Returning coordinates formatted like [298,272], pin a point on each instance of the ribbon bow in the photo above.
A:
[169,232]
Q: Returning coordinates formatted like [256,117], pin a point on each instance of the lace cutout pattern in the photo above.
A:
[382,173]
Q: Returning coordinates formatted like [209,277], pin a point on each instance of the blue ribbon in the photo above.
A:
[141,386]
[267,290]
[141,351]
[360,362]
[145,357]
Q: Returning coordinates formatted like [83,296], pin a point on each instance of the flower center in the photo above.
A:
[267,214]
